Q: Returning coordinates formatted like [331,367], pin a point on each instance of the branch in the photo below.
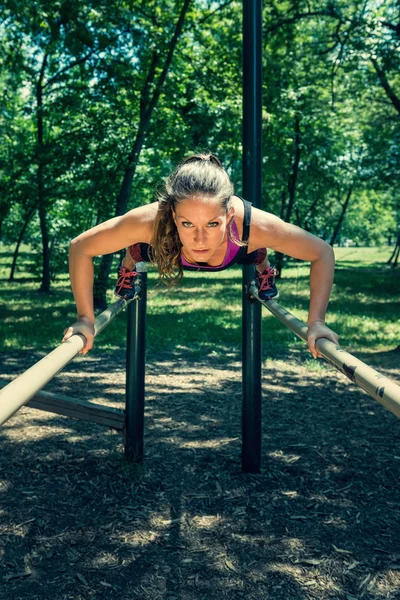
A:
[297,17]
[201,21]
[386,85]
[149,80]
[151,17]
[70,66]
[42,70]
[335,36]
[168,60]
[337,63]
[395,28]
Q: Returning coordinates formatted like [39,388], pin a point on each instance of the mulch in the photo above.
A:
[321,520]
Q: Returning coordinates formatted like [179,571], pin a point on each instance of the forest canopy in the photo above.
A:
[99,101]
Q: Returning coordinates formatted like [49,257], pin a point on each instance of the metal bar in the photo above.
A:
[252,177]
[251,377]
[17,393]
[135,370]
[381,388]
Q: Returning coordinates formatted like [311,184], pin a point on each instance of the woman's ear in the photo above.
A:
[230,214]
[173,215]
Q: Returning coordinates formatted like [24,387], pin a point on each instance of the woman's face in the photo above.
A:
[202,227]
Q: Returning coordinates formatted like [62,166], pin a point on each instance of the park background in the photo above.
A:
[99,102]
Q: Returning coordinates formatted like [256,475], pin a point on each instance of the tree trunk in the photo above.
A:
[395,100]
[310,213]
[45,285]
[283,204]
[298,218]
[396,257]
[42,204]
[395,253]
[342,214]
[147,106]
[292,184]
[18,244]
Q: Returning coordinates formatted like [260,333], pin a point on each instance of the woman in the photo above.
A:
[199,224]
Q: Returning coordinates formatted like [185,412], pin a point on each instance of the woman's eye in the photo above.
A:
[186,224]
[213,224]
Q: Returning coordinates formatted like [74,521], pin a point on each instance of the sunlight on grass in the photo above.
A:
[204,313]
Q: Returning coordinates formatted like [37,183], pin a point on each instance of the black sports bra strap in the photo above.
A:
[246,219]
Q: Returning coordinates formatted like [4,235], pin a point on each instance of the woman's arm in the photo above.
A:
[110,236]
[269,231]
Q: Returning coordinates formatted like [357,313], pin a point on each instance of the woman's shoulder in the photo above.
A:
[137,224]
[237,202]
[146,213]
[238,205]
[267,229]
[143,216]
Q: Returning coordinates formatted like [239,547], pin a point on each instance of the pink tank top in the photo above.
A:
[231,252]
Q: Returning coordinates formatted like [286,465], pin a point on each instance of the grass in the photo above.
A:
[204,314]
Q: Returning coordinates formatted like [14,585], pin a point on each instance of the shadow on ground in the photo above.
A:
[322,519]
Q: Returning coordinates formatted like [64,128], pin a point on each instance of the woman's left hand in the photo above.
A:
[317,330]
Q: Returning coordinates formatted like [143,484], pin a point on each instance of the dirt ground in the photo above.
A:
[322,520]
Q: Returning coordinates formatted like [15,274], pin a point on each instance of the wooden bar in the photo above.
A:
[79,409]
[17,393]
[84,410]
[380,387]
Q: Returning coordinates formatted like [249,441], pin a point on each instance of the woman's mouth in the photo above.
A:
[201,251]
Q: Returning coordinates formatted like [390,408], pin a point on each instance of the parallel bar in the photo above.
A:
[79,409]
[61,404]
[252,178]
[135,370]
[381,388]
[17,393]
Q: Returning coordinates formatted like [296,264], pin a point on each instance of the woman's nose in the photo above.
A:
[200,236]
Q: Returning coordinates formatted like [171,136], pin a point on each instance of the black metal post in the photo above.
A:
[252,175]
[135,370]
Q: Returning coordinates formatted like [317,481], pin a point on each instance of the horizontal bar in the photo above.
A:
[17,393]
[380,387]
[79,409]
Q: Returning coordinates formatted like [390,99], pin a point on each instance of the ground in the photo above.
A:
[321,520]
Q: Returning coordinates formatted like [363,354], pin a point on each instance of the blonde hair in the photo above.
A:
[197,174]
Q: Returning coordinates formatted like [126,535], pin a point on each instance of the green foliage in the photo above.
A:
[331,80]
[203,314]
[320,73]
[369,220]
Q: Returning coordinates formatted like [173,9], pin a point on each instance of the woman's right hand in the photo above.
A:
[84,326]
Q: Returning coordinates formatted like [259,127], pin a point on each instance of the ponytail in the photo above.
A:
[199,174]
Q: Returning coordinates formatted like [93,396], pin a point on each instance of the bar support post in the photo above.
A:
[252,178]
[135,370]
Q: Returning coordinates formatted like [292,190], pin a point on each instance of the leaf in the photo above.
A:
[365,580]
[230,565]
[82,579]
[340,550]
